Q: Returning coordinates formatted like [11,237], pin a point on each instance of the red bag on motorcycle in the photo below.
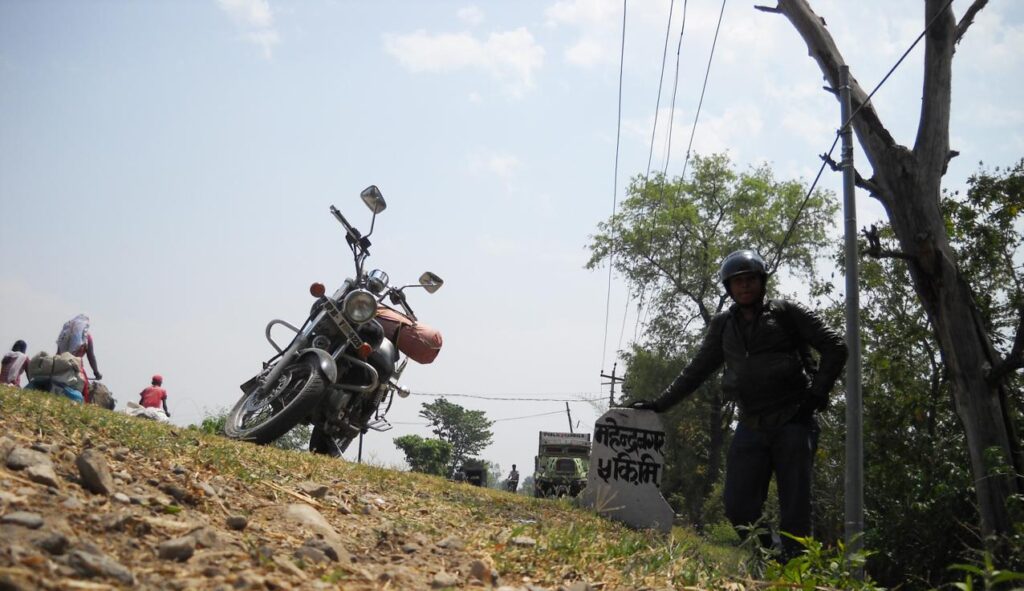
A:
[418,341]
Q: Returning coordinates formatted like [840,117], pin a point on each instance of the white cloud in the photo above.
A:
[256,19]
[509,57]
[474,97]
[503,166]
[471,15]
[586,52]
[584,12]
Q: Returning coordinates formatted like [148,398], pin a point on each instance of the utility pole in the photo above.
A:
[359,459]
[568,414]
[854,502]
[612,380]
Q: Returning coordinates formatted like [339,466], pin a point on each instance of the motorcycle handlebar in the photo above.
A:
[353,233]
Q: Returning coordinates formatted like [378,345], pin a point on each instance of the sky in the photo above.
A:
[168,168]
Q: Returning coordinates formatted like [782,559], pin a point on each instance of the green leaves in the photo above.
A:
[467,431]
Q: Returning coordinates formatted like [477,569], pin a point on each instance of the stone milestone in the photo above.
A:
[627,465]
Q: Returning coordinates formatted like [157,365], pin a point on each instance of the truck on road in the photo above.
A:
[561,464]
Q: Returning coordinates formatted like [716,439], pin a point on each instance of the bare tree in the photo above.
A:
[908,183]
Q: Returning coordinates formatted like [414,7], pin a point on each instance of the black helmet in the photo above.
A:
[740,262]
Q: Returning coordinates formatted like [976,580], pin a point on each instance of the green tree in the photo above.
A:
[667,240]
[429,456]
[907,181]
[917,510]
[468,431]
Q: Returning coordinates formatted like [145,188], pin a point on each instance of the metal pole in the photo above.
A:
[360,458]
[854,404]
[568,414]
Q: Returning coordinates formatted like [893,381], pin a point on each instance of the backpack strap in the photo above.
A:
[788,323]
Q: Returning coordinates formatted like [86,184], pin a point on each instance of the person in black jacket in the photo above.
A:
[763,345]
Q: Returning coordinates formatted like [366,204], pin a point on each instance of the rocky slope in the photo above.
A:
[90,499]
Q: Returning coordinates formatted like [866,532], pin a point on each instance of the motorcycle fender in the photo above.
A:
[325,361]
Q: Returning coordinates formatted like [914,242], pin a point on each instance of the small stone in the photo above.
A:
[43,474]
[479,570]
[306,516]
[212,571]
[206,537]
[343,508]
[120,497]
[95,473]
[237,522]
[72,503]
[137,500]
[523,541]
[46,448]
[332,550]
[124,476]
[53,542]
[99,565]
[576,586]
[7,445]
[313,489]
[452,543]
[410,548]
[67,455]
[442,580]
[24,519]
[178,549]
[121,454]
[180,494]
[311,555]
[23,457]
[179,470]
[9,498]
[206,488]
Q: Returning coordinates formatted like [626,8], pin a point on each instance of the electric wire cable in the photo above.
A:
[825,159]
[661,80]
[707,74]
[615,188]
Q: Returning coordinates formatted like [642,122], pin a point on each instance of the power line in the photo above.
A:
[661,80]
[615,187]
[543,414]
[672,109]
[581,397]
[707,73]
[825,159]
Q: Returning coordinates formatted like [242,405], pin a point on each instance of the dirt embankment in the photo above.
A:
[93,500]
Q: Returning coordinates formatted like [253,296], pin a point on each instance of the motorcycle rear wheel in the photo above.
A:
[262,417]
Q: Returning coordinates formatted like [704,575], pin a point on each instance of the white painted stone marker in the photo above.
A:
[627,465]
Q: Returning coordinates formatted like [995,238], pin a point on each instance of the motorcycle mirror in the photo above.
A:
[403,392]
[373,199]
[431,282]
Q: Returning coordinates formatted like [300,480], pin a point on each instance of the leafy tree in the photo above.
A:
[907,181]
[667,240]
[468,431]
[917,510]
[429,456]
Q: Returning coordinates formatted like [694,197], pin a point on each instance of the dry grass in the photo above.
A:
[571,543]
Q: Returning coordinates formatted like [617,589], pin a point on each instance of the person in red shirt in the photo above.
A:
[155,396]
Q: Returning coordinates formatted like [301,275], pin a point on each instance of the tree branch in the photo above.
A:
[874,137]
[968,19]
[875,249]
[1013,361]
[771,9]
[868,185]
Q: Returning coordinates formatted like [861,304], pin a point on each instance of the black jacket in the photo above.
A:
[764,373]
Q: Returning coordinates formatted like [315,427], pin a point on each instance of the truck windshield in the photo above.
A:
[565,465]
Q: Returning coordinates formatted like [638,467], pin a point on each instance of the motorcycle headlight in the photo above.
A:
[359,306]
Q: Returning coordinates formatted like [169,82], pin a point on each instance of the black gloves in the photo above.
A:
[643,405]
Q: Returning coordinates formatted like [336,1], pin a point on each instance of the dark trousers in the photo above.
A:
[788,452]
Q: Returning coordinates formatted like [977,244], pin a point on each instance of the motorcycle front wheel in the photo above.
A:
[261,416]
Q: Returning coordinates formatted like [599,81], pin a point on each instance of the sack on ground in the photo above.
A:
[134,409]
[101,395]
[419,341]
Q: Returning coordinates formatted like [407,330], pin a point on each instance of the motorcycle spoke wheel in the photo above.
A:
[264,416]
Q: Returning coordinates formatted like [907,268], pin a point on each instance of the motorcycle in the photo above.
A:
[340,366]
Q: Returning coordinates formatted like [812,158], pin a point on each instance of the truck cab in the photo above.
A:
[561,464]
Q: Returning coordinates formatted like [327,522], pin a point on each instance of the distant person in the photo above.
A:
[155,396]
[76,339]
[15,364]
[513,479]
